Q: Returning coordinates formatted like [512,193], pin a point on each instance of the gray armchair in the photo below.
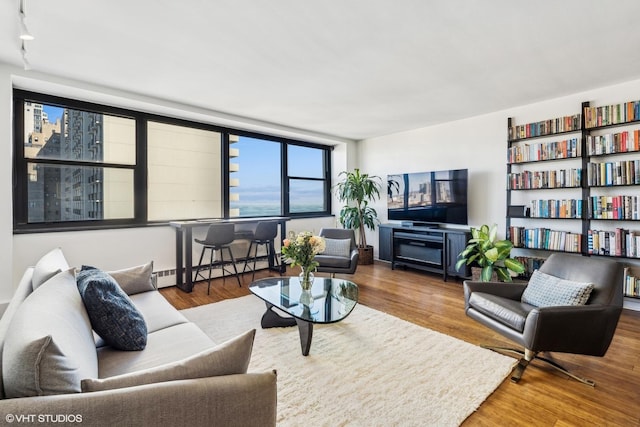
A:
[578,329]
[339,256]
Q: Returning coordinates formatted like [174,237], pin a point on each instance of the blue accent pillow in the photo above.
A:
[112,314]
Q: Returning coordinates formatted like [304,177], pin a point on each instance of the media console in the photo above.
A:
[426,248]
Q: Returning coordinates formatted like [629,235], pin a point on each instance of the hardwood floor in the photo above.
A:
[543,397]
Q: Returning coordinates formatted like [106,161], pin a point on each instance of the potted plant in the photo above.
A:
[493,256]
[356,190]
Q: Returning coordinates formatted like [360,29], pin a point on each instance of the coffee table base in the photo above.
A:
[271,319]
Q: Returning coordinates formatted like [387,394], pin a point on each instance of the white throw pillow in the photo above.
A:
[337,247]
[545,290]
[230,357]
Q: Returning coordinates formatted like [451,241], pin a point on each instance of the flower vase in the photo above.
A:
[306,278]
[306,282]
[306,298]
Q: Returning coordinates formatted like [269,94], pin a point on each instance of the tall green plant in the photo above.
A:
[485,251]
[356,190]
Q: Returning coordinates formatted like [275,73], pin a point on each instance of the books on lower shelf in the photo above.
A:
[530,264]
[614,207]
[546,239]
[566,149]
[623,172]
[568,208]
[631,282]
[611,143]
[527,180]
[618,242]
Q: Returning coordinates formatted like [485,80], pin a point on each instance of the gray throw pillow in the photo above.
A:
[113,316]
[49,346]
[545,290]
[48,266]
[135,280]
[230,357]
[337,247]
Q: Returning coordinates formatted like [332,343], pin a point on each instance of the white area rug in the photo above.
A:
[370,369]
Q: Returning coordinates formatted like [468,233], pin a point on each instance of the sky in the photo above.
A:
[53,113]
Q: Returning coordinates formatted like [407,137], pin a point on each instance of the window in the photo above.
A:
[307,180]
[80,165]
[255,177]
[184,172]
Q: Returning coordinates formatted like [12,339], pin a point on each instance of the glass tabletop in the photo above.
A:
[333,299]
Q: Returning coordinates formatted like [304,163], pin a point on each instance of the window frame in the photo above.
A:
[139,167]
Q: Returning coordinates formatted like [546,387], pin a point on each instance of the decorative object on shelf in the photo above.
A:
[492,255]
[356,190]
[301,250]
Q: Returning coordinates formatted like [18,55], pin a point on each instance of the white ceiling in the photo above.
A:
[348,68]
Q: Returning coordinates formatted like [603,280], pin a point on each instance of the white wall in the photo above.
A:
[119,248]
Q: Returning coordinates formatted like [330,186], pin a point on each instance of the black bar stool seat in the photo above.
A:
[219,237]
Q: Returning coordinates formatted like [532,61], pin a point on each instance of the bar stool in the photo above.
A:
[219,237]
[266,232]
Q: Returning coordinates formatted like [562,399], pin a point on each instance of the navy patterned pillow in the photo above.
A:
[545,290]
[112,314]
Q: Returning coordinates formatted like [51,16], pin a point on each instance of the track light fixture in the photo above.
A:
[24,31]
[25,61]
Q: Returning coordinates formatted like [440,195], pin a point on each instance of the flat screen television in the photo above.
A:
[438,197]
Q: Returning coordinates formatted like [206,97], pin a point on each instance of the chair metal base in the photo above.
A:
[212,264]
[527,357]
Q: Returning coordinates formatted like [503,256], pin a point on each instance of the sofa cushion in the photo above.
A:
[545,290]
[112,314]
[164,346]
[511,313]
[231,357]
[49,345]
[337,247]
[333,261]
[48,266]
[157,311]
[22,292]
[134,280]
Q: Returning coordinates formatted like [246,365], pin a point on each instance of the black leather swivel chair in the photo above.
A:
[582,329]
[219,237]
[342,261]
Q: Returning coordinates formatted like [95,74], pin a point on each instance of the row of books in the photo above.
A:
[614,207]
[622,172]
[611,143]
[544,238]
[567,208]
[631,283]
[545,127]
[530,263]
[565,149]
[565,178]
[611,114]
[619,242]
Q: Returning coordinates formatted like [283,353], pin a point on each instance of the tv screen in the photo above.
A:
[428,197]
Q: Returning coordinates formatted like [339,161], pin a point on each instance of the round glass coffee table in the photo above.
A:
[329,301]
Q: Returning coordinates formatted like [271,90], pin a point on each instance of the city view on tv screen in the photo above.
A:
[429,197]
